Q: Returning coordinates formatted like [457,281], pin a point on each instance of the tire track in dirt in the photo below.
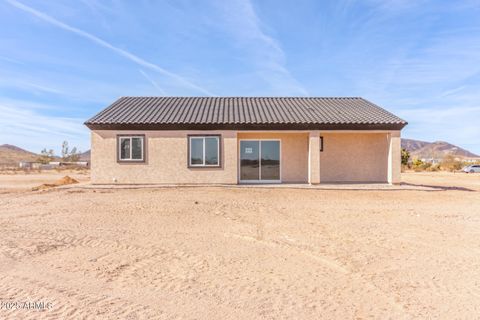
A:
[67,302]
[332,265]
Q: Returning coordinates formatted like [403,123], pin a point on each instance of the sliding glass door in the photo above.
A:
[259,161]
[249,160]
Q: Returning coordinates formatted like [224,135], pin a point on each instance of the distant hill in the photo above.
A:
[11,155]
[437,149]
[85,156]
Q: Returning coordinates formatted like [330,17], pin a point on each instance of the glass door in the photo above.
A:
[259,161]
[270,160]
[249,160]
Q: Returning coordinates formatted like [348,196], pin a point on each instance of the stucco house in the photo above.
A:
[234,140]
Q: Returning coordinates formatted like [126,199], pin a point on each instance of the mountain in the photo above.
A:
[412,145]
[436,150]
[85,156]
[11,155]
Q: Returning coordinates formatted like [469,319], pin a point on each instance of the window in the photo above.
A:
[131,148]
[204,151]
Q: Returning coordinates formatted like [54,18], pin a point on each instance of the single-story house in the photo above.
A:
[234,140]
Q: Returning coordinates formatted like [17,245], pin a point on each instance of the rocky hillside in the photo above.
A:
[85,156]
[11,155]
[437,150]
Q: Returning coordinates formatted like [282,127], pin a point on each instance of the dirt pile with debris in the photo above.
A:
[60,182]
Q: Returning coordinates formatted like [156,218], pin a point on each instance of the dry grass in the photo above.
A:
[244,253]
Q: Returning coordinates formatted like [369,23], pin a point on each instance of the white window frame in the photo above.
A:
[203,164]
[142,144]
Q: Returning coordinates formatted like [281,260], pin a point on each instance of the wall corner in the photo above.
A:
[394,157]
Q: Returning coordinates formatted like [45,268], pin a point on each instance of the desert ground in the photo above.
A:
[410,251]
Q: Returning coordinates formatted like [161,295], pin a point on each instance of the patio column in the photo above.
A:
[314,157]
[394,157]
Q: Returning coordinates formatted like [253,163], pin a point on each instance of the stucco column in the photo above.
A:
[394,157]
[314,157]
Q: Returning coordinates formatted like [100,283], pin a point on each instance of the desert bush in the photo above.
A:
[419,165]
[405,157]
[69,156]
[450,164]
[406,165]
[433,168]
[46,156]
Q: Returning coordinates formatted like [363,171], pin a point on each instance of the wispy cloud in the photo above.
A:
[419,59]
[26,127]
[61,87]
[452,91]
[11,60]
[9,82]
[434,125]
[130,56]
[146,76]
[29,105]
[263,49]
[96,8]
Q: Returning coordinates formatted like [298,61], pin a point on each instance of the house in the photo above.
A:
[57,164]
[430,160]
[29,165]
[472,160]
[232,140]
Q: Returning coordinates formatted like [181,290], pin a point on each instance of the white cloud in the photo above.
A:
[453,91]
[261,49]
[27,85]
[146,76]
[457,125]
[25,127]
[11,60]
[130,56]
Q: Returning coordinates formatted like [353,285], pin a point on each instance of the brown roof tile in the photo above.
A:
[248,113]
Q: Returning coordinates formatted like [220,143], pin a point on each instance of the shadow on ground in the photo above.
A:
[438,188]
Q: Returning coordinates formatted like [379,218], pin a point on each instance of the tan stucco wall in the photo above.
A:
[394,158]
[354,157]
[166,159]
[347,157]
[294,149]
[314,157]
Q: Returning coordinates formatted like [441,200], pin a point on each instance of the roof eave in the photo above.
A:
[243,126]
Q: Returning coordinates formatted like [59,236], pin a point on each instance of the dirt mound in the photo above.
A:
[60,182]
[65,180]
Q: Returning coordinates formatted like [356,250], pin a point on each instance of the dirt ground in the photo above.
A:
[241,253]
[20,181]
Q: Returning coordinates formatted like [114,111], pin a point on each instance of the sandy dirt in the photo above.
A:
[243,253]
[19,181]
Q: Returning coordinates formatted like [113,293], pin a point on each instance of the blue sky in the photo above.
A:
[63,61]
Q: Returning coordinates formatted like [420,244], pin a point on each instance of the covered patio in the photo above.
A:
[318,157]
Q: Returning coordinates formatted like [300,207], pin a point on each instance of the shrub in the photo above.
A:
[46,156]
[69,156]
[450,163]
[419,165]
[417,162]
[405,157]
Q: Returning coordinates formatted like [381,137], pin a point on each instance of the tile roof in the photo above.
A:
[237,113]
